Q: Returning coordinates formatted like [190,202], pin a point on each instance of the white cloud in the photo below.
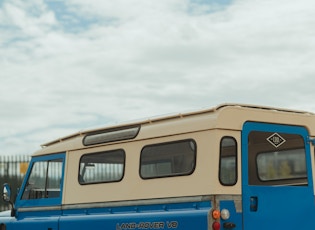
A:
[69,65]
[31,19]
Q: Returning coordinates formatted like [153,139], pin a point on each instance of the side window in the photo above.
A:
[44,180]
[102,167]
[276,159]
[168,159]
[228,161]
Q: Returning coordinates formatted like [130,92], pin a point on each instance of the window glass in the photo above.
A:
[44,180]
[281,165]
[168,159]
[276,159]
[54,175]
[102,167]
[228,153]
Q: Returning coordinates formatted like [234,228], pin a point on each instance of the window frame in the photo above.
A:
[161,160]
[99,153]
[50,201]
[294,140]
[236,164]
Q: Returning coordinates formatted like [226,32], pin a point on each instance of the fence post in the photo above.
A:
[12,171]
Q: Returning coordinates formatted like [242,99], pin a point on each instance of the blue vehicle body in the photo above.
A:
[184,215]
[159,216]
[250,173]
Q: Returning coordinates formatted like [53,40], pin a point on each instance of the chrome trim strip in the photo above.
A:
[138,202]
[118,204]
[39,209]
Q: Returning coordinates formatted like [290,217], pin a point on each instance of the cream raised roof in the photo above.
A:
[151,120]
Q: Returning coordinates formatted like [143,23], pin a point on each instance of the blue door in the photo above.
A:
[38,204]
[277,181]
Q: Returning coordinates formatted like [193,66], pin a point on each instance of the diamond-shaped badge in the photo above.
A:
[276,140]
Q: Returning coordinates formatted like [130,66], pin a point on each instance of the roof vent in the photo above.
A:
[111,135]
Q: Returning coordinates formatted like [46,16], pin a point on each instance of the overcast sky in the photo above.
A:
[67,65]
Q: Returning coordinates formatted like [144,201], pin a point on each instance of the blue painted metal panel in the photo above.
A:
[181,216]
[40,220]
[276,207]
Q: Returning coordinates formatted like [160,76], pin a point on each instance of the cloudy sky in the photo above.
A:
[67,65]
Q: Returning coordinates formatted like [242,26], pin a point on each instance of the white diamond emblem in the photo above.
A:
[276,140]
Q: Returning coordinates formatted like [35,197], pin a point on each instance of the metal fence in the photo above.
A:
[12,171]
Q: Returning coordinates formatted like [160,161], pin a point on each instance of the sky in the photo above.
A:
[68,65]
